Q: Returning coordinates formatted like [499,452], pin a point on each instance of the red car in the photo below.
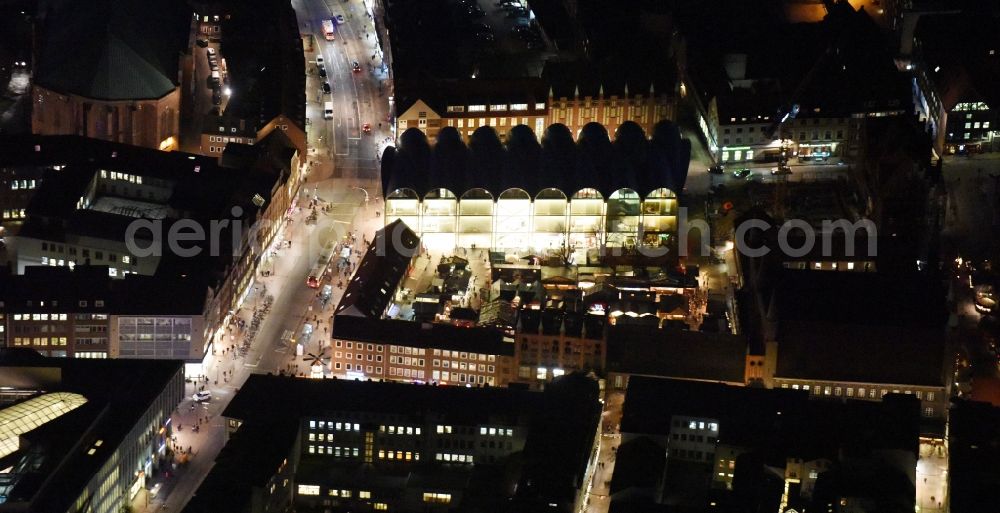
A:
[366,128]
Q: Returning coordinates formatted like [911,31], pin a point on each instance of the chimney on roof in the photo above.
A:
[626,89]
[576,93]
[551,94]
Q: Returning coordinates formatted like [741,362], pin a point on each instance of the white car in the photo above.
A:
[319,62]
[202,396]
[210,50]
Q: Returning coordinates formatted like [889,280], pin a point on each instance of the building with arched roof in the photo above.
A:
[557,196]
[122,80]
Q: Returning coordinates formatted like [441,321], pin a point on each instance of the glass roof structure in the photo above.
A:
[28,415]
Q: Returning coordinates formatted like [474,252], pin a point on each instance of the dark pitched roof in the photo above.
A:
[383,266]
[865,354]
[130,51]
[875,299]
[264,55]
[649,351]
[650,404]
[127,296]
[857,325]
[484,340]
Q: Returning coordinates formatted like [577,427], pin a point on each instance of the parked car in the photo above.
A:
[340,19]
[326,88]
[717,169]
[203,396]
[202,43]
[320,63]
[216,97]
[366,128]
[743,173]
[322,73]
[475,12]
[211,51]
[519,12]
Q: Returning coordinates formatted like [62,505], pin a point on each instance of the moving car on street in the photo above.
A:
[366,128]
[742,173]
[355,67]
[203,396]
[340,19]
[717,169]
[781,171]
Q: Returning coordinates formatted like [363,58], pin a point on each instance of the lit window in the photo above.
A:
[364,494]
[440,498]
[477,108]
[308,489]
[519,106]
[539,106]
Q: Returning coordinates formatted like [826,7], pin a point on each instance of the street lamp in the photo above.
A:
[362,189]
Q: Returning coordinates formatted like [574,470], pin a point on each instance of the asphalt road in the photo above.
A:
[344,176]
[359,97]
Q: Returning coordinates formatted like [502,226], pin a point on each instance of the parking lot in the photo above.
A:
[500,27]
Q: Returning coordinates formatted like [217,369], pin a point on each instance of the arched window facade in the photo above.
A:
[512,223]
[659,217]
[438,220]
[403,204]
[548,224]
[586,220]
[551,208]
[622,218]
[475,219]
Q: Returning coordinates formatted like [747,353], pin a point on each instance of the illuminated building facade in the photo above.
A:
[558,197]
[358,445]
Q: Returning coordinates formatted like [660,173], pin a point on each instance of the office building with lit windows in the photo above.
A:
[84,313]
[712,446]
[562,194]
[82,435]
[340,445]
[97,197]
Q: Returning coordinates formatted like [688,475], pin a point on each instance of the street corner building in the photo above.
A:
[339,445]
[82,435]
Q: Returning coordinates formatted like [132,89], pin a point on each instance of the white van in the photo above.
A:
[216,78]
[328,110]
